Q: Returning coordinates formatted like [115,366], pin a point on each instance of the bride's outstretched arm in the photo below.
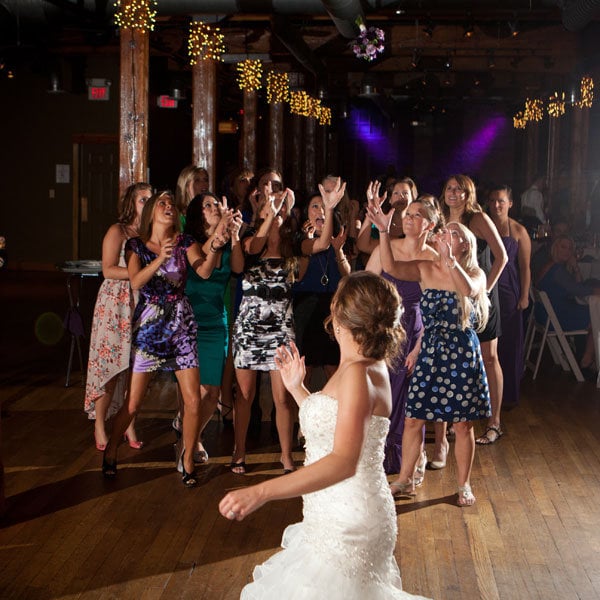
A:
[354,414]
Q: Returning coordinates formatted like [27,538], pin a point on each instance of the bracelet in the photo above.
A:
[384,231]
[212,248]
[341,260]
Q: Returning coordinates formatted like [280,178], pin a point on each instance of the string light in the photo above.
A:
[135,14]
[278,87]
[587,93]
[205,43]
[325,116]
[314,107]
[556,105]
[250,75]
[519,120]
[534,110]
[299,103]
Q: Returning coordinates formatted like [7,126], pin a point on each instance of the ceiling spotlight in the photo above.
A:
[476,80]
[448,62]
[10,74]
[416,58]
[491,60]
[513,27]
[2,64]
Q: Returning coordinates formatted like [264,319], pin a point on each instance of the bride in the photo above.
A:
[344,547]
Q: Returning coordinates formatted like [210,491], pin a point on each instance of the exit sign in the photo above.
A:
[98,93]
[98,89]
[166,102]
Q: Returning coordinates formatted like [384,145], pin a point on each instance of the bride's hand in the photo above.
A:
[238,504]
[291,366]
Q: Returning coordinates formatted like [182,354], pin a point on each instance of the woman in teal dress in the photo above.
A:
[205,216]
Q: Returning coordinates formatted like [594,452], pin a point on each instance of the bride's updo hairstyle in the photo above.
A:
[370,308]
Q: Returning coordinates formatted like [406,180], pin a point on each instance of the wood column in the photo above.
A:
[276,145]
[204,116]
[249,131]
[297,153]
[552,161]
[133,121]
[579,145]
[310,171]
[531,155]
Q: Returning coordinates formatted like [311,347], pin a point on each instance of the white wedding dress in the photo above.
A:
[344,547]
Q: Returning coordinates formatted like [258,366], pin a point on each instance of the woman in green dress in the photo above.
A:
[205,217]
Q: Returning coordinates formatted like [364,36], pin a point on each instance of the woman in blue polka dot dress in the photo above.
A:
[449,383]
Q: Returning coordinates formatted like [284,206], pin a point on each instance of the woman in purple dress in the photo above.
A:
[164,328]
[513,294]
[419,219]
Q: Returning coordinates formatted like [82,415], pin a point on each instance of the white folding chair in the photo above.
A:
[552,333]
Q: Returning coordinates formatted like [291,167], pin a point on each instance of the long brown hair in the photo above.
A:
[148,215]
[127,212]
[467,185]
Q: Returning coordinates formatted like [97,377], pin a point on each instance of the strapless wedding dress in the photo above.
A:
[344,547]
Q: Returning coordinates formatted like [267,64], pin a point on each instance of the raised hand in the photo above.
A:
[291,366]
[308,229]
[332,199]
[373,197]
[236,225]
[379,218]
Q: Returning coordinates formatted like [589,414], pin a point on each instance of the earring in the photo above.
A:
[337,330]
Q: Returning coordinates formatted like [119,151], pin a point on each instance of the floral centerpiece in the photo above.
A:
[369,43]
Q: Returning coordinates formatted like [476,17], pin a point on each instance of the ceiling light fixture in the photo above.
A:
[469,28]
[429,27]
[448,61]
[491,60]
[513,27]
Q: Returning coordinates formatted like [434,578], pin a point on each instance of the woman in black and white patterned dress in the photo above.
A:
[264,321]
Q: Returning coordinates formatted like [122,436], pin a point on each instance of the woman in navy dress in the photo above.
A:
[513,293]
[164,329]
[449,383]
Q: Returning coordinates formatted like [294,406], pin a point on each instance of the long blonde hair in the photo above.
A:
[479,306]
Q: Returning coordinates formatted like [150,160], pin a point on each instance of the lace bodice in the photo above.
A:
[354,521]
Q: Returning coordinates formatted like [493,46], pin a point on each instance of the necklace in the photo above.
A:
[324,277]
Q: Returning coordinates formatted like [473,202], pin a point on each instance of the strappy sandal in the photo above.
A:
[419,475]
[486,440]
[403,490]
[465,496]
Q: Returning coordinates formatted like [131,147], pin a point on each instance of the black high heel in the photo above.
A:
[189,480]
[109,469]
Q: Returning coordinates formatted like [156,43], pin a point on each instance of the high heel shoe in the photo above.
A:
[403,490]
[109,469]
[99,447]
[419,475]
[440,464]
[189,480]
[135,444]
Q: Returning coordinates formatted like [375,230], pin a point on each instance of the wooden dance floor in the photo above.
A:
[533,533]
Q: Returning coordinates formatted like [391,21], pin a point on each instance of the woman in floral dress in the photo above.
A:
[110,340]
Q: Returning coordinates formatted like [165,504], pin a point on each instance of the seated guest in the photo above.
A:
[561,280]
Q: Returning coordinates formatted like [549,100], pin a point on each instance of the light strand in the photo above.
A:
[250,75]
[135,14]
[278,87]
[587,93]
[205,42]
[556,105]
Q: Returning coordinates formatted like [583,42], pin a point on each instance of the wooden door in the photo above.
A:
[96,193]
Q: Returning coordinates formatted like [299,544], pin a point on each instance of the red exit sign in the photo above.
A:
[98,93]
[166,102]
